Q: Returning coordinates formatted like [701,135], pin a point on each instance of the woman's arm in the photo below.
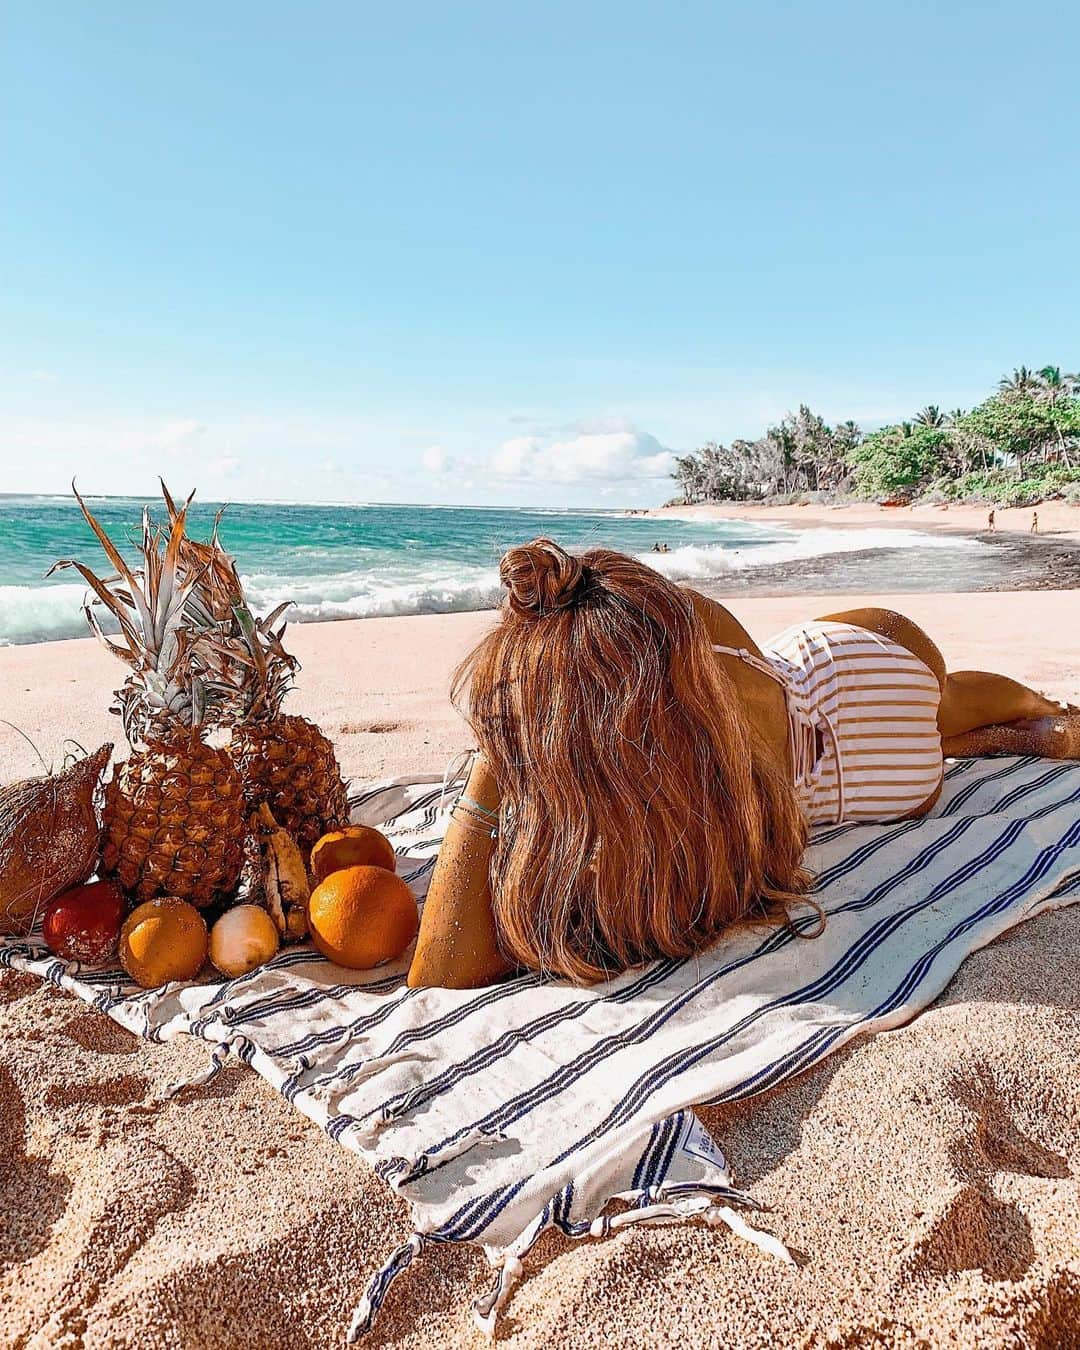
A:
[762,698]
[458,946]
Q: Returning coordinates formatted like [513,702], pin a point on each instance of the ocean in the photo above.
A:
[343,562]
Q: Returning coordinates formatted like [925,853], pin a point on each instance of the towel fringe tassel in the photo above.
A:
[650,1208]
[202,1076]
[769,1243]
[509,1262]
[368,1307]
[704,1206]
[487,1307]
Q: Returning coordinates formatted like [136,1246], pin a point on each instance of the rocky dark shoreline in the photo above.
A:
[1010,562]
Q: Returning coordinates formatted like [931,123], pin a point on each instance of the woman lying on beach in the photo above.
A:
[646,773]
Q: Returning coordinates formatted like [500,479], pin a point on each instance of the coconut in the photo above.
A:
[49,836]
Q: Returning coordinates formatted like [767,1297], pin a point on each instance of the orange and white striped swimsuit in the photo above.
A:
[862,721]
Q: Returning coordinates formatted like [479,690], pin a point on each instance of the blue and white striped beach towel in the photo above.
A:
[501,1112]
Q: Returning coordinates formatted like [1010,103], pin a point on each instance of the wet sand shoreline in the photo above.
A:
[1016,563]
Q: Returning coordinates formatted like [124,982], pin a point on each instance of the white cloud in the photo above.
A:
[513,457]
[344,458]
[44,376]
[436,460]
[617,454]
[172,437]
[608,457]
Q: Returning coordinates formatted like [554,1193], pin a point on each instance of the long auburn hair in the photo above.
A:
[640,814]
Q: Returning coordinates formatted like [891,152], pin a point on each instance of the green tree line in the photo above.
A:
[1020,445]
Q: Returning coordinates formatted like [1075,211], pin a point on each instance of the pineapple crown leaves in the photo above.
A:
[219,584]
[252,660]
[244,652]
[161,613]
[197,653]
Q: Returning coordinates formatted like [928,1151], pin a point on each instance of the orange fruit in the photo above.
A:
[351,846]
[161,940]
[362,916]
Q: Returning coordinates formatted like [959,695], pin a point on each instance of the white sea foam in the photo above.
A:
[40,613]
[698,562]
[361,595]
[46,612]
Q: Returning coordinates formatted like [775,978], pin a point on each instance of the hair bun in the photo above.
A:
[540,577]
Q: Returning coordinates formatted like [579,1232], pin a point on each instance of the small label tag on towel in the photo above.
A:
[699,1143]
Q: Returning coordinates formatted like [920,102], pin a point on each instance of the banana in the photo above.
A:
[284,877]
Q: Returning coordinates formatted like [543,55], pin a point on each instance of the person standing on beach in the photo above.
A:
[990,521]
[1034,522]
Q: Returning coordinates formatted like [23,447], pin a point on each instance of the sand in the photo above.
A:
[926,1175]
[1057,519]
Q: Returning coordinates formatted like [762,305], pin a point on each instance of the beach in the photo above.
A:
[858,541]
[329,331]
[926,1176]
[1057,519]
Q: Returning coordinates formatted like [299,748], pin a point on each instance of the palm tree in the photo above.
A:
[931,416]
[971,451]
[1052,385]
[1053,388]
[1021,381]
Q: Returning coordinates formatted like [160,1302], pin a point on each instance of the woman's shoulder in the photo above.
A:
[723,627]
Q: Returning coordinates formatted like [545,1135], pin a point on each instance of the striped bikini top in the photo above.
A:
[862,720]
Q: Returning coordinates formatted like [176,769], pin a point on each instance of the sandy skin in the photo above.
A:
[927,1174]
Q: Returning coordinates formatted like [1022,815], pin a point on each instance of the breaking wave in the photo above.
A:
[42,613]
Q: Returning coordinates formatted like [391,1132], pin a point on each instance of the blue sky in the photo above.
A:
[513,253]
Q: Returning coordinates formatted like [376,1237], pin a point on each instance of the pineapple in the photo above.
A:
[285,761]
[174,821]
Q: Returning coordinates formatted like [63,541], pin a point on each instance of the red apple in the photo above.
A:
[83,924]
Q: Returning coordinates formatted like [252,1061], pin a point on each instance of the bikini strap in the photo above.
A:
[751,659]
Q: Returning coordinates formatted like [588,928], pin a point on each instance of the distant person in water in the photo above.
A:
[1034,522]
[647,774]
[990,522]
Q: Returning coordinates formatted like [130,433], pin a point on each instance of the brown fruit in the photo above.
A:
[162,940]
[83,924]
[49,837]
[174,820]
[352,846]
[362,916]
[287,762]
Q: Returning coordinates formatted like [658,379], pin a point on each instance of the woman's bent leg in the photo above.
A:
[978,698]
[986,714]
[1049,737]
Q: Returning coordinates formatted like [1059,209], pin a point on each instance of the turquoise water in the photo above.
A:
[337,561]
[344,562]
